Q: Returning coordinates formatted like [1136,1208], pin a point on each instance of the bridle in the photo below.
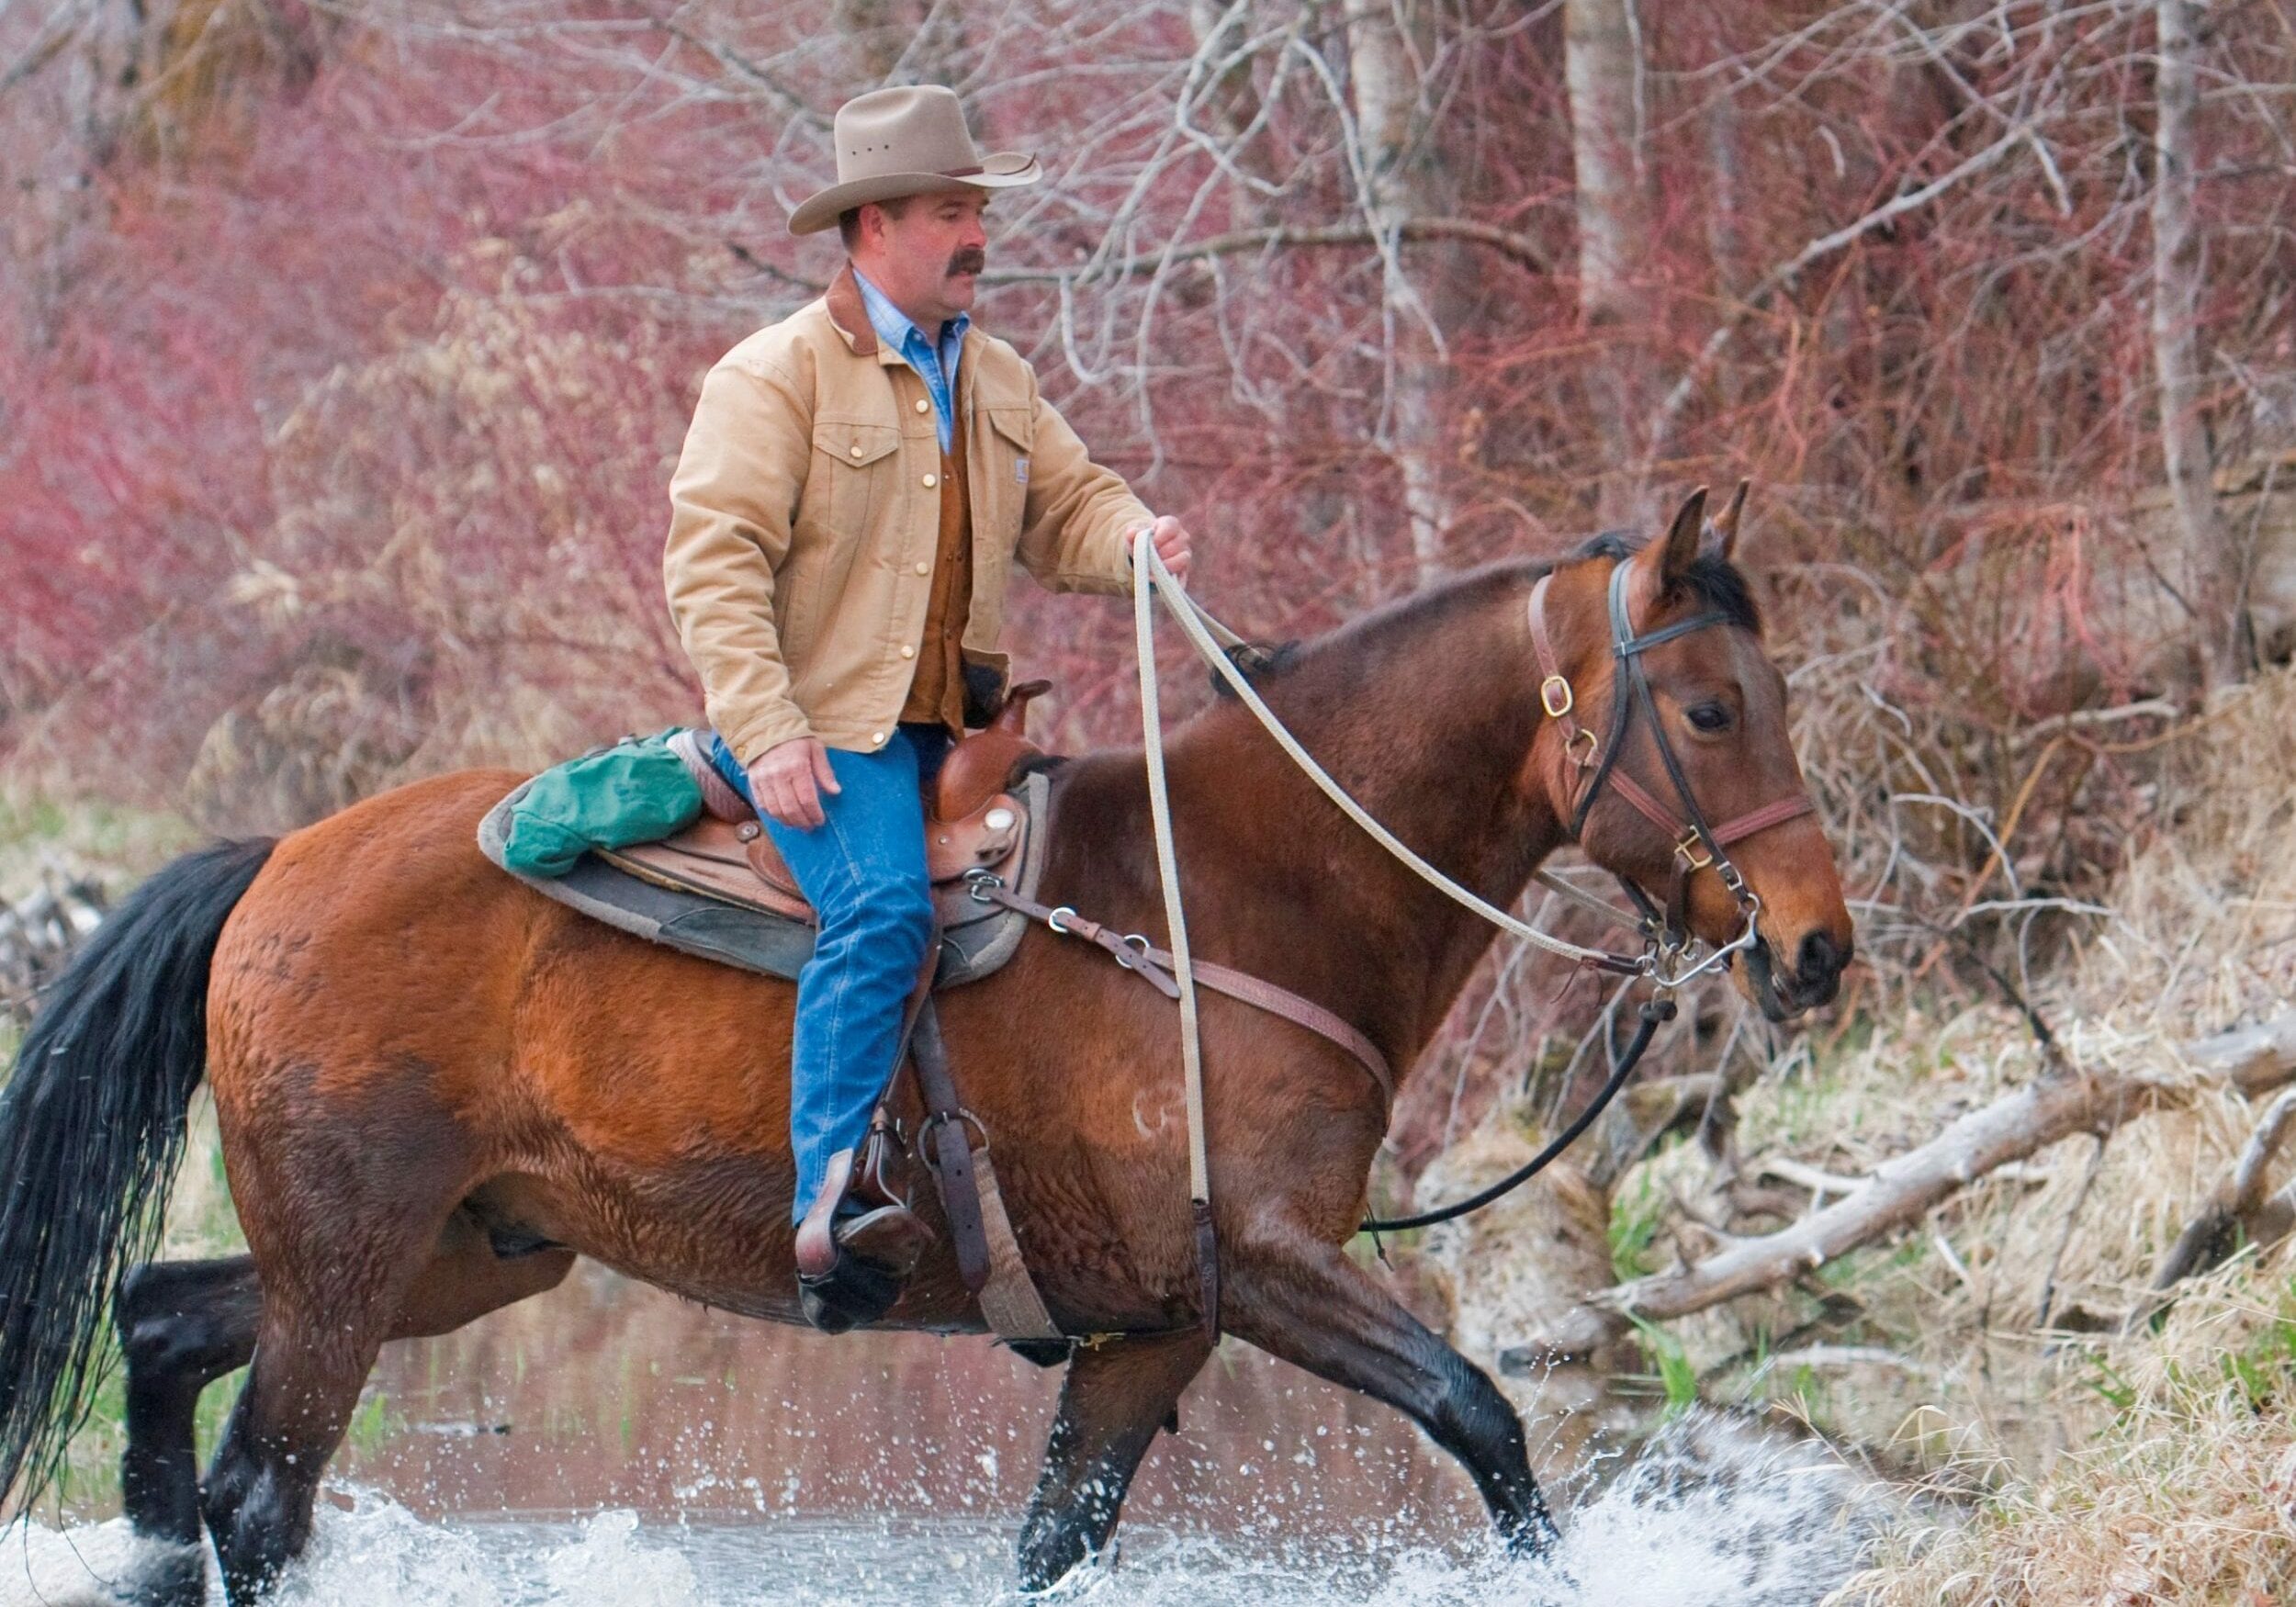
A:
[1591,763]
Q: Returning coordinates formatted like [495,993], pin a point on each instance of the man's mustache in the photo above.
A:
[969,260]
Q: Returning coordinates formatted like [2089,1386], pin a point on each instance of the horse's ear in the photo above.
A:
[1659,565]
[1720,540]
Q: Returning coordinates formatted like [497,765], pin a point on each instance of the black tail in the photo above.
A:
[91,1128]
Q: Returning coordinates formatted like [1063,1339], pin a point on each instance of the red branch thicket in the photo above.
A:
[345,349]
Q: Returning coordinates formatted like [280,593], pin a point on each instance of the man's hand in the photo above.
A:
[788,779]
[1173,543]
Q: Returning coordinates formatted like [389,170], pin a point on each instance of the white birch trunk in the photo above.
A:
[1602,70]
[2211,558]
[1405,180]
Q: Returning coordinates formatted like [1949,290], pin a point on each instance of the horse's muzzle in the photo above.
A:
[1815,980]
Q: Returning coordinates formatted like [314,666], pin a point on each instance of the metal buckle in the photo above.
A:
[979,883]
[1053,919]
[925,1150]
[1585,762]
[1137,942]
[1692,853]
[1547,697]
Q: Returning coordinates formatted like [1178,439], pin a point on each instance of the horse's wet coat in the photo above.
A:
[409,1050]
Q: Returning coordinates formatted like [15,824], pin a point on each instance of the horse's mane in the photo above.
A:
[1714,582]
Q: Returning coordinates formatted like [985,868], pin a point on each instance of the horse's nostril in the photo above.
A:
[1820,959]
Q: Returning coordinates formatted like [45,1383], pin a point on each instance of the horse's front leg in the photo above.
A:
[1112,1403]
[1303,1300]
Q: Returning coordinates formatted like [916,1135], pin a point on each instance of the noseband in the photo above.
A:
[1698,846]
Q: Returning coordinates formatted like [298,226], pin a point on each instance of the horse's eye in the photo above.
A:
[1708,716]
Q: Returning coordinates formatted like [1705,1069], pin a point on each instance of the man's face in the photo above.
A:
[926,259]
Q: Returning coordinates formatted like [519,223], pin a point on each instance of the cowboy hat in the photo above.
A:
[909,141]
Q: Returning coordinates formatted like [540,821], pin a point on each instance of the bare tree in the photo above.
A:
[1602,68]
[2212,558]
[1389,49]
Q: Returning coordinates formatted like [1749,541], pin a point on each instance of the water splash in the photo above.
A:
[1714,1513]
[1708,1514]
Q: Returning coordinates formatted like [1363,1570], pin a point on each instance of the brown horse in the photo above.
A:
[437,1088]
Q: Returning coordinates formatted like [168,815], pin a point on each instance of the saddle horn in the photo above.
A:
[977,768]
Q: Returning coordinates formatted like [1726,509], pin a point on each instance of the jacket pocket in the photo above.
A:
[849,491]
[1011,440]
[850,455]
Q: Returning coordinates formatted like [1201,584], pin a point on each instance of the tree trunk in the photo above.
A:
[1603,70]
[2211,556]
[1404,178]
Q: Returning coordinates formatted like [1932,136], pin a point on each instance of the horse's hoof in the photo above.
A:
[1085,1574]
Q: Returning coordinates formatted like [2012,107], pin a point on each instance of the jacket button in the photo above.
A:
[923,567]
[907,651]
[922,404]
[876,737]
[857,449]
[931,480]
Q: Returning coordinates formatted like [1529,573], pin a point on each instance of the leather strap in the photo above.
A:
[1153,965]
[953,1152]
[989,1258]
[1009,1299]
[1629,688]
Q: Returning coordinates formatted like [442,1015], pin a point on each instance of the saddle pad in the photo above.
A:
[976,939]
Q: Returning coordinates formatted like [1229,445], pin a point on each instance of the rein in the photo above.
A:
[1698,846]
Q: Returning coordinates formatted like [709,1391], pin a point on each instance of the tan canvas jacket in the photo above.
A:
[805,514]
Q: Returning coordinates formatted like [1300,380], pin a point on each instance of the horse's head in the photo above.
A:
[1685,785]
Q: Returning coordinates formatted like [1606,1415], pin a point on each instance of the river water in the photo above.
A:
[608,1447]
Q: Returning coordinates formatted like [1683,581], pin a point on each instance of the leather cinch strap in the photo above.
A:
[988,1251]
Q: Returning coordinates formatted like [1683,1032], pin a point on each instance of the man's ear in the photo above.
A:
[1656,567]
[1721,537]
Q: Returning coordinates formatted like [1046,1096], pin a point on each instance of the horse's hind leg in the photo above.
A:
[182,1324]
[1303,1300]
[315,1342]
[1114,1400]
[314,1345]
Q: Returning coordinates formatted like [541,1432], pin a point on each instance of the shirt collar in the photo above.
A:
[895,327]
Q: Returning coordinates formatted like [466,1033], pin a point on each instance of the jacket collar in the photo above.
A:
[850,316]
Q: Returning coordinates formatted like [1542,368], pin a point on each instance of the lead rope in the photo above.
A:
[1146,569]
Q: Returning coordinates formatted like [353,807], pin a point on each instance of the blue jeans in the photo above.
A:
[864,872]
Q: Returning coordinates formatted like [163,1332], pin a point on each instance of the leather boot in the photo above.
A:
[854,1253]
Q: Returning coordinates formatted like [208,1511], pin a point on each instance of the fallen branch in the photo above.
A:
[1901,1191]
[1821,1182]
[2241,1210]
[2254,1059]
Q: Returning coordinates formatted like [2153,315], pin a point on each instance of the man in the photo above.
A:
[857,479]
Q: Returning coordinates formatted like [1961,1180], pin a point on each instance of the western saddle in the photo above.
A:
[973,824]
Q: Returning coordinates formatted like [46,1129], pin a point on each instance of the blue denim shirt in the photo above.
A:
[937,368]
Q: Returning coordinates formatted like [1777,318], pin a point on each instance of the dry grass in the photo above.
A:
[2155,1466]
[2187,1495]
